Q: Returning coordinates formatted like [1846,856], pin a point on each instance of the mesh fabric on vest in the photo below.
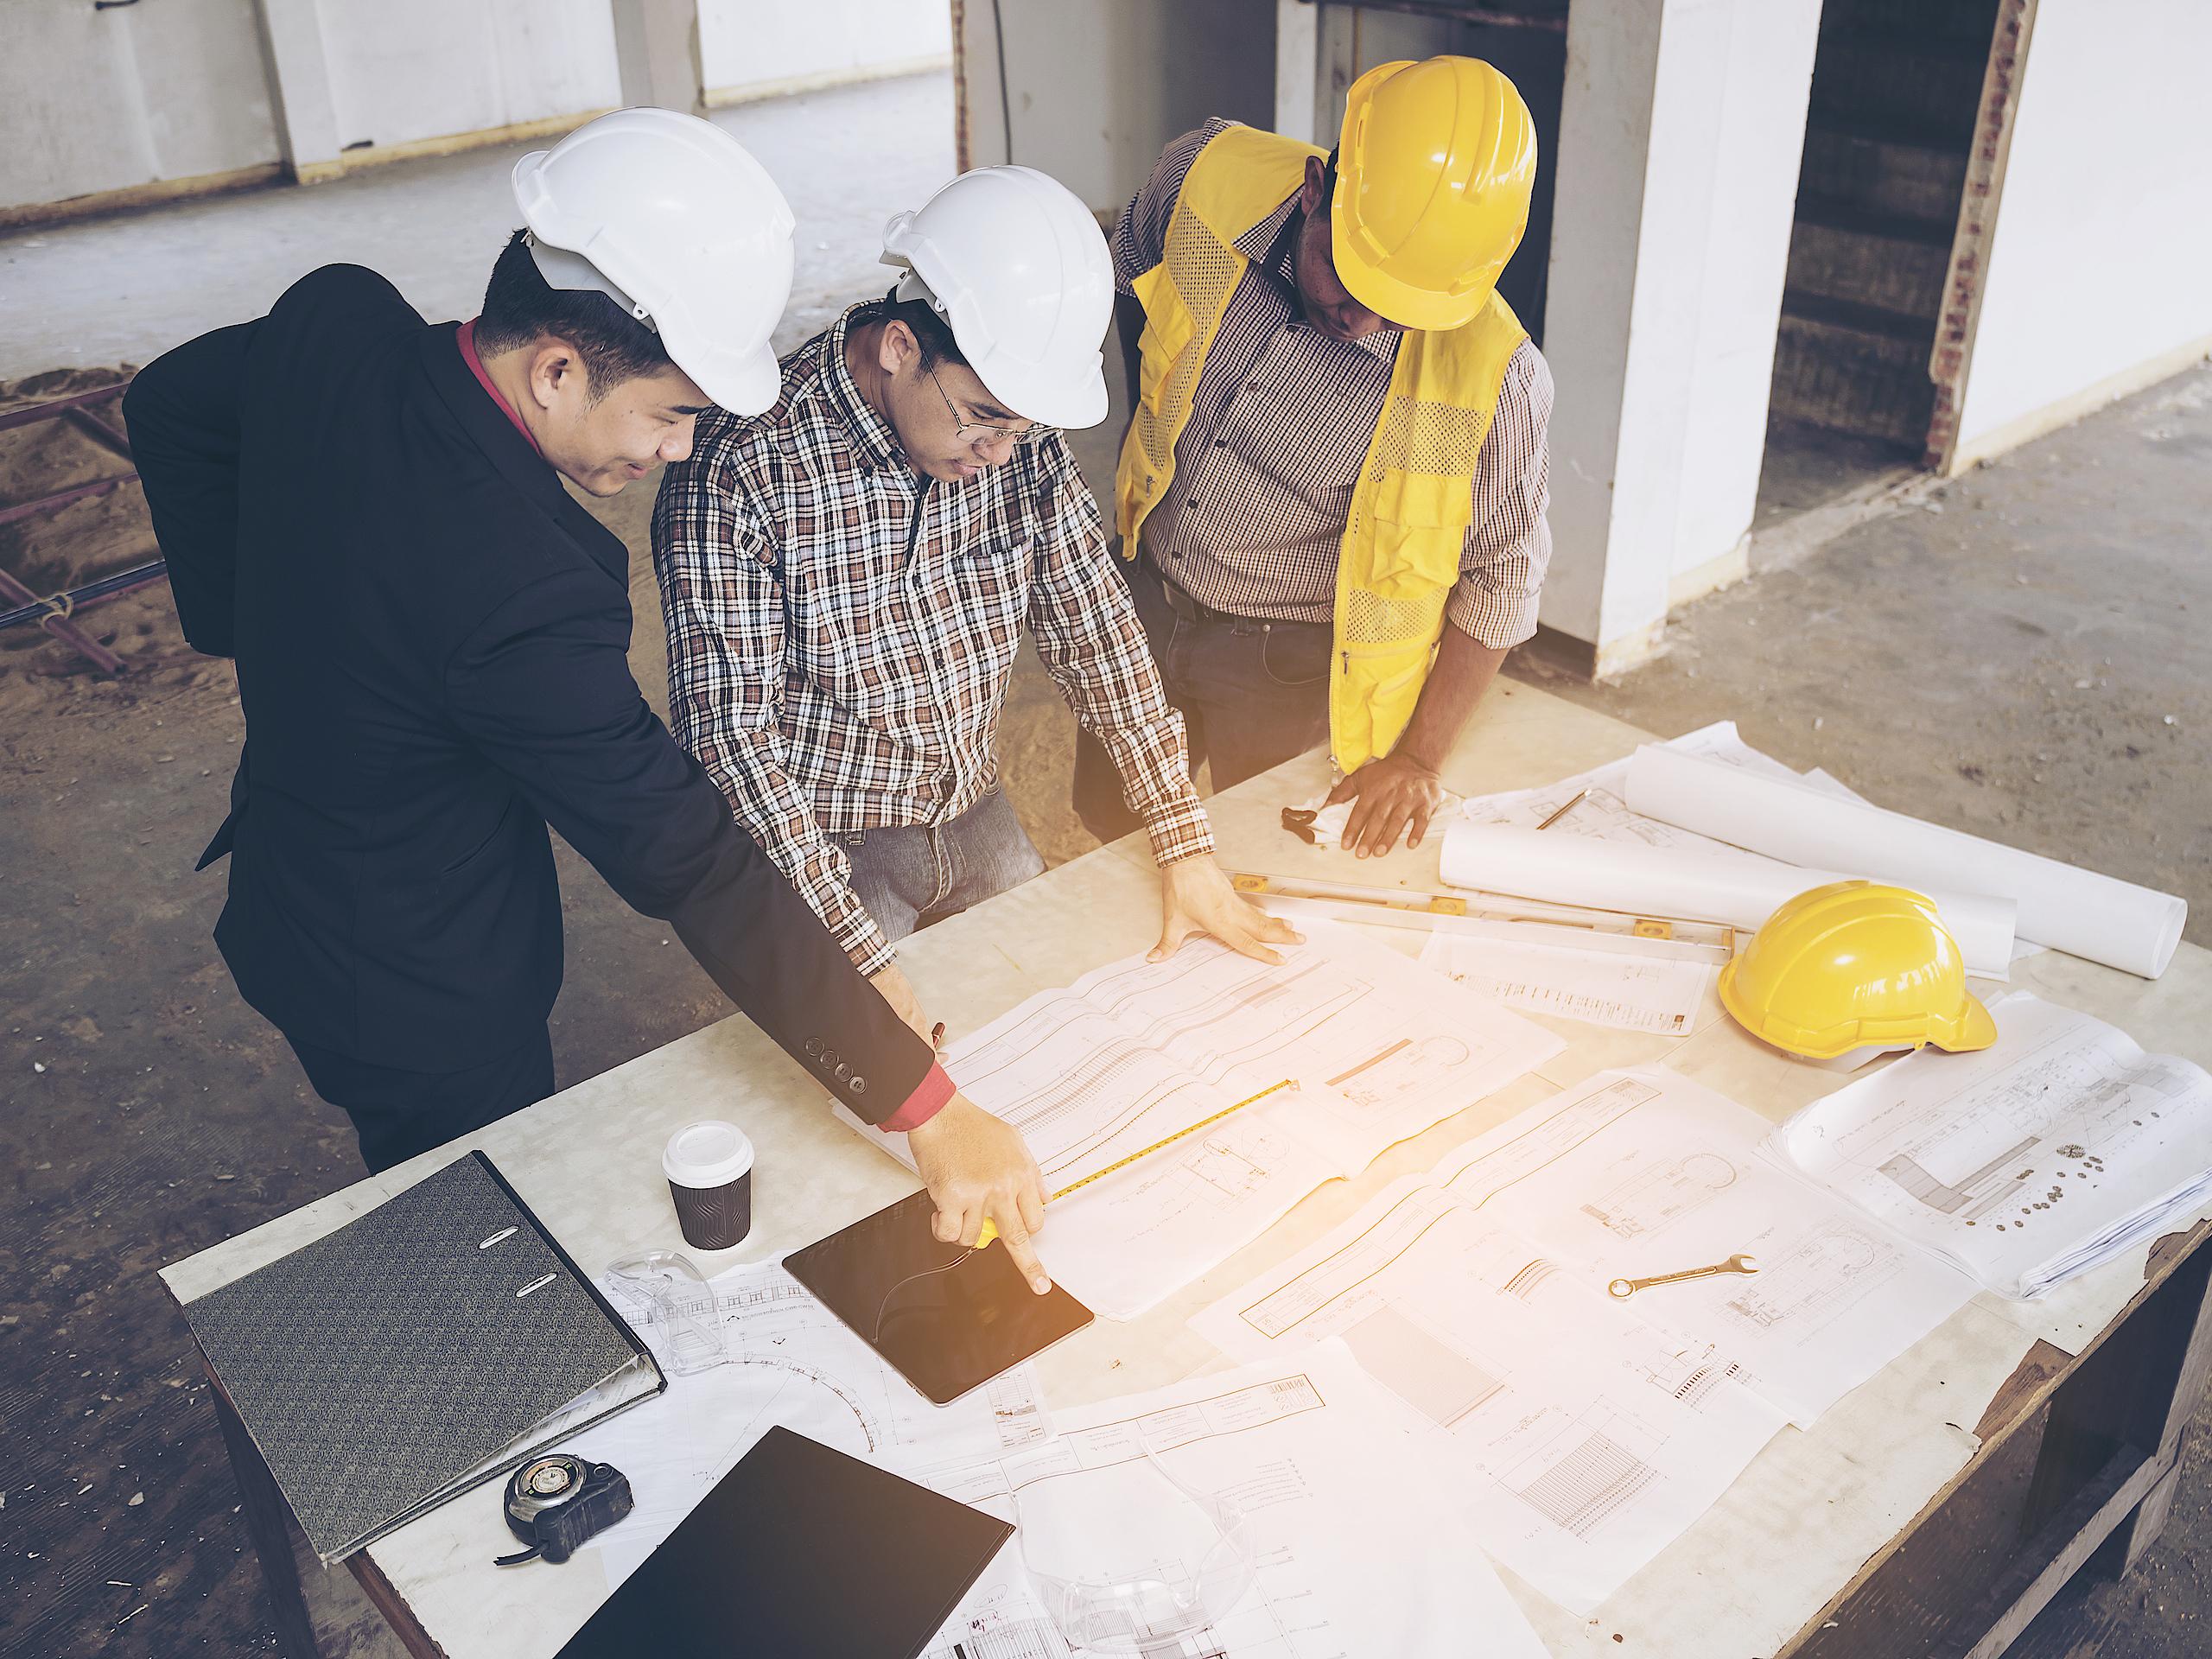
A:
[1203,271]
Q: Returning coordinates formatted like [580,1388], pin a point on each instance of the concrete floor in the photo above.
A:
[2006,662]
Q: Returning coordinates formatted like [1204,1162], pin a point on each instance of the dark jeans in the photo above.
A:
[1252,695]
[912,874]
[398,1113]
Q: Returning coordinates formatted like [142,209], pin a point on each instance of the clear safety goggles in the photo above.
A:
[1152,1612]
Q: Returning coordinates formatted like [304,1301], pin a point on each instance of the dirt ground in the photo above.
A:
[2007,663]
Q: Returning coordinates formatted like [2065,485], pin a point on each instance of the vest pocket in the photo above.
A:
[1168,327]
[1419,522]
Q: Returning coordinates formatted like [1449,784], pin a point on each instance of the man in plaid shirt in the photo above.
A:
[846,579]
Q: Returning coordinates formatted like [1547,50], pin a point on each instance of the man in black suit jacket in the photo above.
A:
[365,511]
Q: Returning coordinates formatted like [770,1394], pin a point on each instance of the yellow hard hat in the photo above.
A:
[1433,173]
[1851,965]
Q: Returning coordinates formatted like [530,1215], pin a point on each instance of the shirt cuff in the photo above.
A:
[1178,828]
[1497,620]
[927,1100]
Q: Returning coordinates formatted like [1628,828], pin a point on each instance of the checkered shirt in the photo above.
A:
[1280,421]
[840,631]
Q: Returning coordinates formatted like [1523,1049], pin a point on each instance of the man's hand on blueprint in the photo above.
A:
[1195,897]
[976,1165]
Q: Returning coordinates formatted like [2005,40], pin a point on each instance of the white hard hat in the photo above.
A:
[673,218]
[1015,262]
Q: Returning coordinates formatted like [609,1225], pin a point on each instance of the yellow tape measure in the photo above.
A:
[990,1228]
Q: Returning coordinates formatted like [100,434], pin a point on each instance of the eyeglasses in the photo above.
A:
[977,433]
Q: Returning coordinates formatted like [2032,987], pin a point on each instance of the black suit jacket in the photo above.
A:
[431,639]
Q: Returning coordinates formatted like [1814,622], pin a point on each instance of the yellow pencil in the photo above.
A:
[990,1228]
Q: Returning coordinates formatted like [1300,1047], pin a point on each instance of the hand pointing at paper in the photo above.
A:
[977,1166]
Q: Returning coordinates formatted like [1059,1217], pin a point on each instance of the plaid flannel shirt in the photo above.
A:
[840,631]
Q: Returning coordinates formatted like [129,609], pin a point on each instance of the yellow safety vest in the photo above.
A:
[1414,495]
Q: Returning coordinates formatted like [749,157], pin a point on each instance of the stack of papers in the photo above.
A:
[1379,1049]
[1603,812]
[1585,1431]
[2027,1164]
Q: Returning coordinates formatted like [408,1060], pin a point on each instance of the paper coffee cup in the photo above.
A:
[709,1170]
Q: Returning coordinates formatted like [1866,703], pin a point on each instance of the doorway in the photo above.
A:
[1897,100]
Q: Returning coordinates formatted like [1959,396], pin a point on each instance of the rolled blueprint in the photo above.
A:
[2077,911]
[1685,886]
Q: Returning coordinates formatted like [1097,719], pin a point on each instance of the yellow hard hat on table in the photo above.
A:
[1855,964]
[1434,171]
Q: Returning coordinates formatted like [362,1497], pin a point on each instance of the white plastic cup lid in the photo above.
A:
[707,1155]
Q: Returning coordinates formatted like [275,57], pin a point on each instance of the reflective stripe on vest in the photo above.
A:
[1414,495]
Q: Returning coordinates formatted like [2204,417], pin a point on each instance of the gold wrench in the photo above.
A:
[1621,1289]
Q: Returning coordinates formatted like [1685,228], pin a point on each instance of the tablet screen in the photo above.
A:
[949,1319]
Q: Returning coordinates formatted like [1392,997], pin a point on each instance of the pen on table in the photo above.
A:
[1564,810]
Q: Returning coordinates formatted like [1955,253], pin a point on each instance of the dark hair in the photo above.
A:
[931,333]
[521,307]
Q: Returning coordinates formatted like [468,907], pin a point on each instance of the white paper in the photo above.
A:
[1666,1175]
[1357,1551]
[2028,1162]
[1629,989]
[1379,1047]
[1683,882]
[1580,1437]
[2116,923]
[1603,812]
[793,1363]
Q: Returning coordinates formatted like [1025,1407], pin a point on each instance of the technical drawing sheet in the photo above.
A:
[1379,1047]
[1604,812]
[1652,985]
[1356,1551]
[2027,1163]
[1580,1440]
[790,1362]
[1645,1172]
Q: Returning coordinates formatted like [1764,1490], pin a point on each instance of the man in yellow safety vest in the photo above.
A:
[1330,496]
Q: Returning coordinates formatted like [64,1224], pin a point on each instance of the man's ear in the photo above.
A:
[1309,193]
[895,346]
[554,368]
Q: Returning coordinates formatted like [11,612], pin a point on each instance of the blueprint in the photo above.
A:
[1645,1172]
[1633,984]
[1379,1049]
[1578,1439]
[1603,810]
[1355,1550]
[791,1362]
[2027,1163]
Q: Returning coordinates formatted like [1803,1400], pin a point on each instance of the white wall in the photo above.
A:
[1095,88]
[753,43]
[2101,259]
[102,100]
[1677,179]
[1766,86]
[403,70]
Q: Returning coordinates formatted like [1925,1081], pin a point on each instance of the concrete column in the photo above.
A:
[656,48]
[1297,68]
[299,88]
[1677,178]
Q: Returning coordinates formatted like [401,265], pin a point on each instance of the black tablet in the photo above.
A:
[798,1553]
[948,1319]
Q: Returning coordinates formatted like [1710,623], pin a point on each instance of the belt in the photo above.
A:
[1181,602]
